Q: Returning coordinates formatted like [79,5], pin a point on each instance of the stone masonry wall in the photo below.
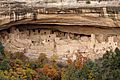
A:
[34,42]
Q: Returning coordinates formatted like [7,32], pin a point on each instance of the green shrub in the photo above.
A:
[3,78]
[42,59]
[69,73]
[4,65]
[18,55]
[109,65]
[54,57]
[85,73]
[43,76]
[88,2]
[2,55]
[1,48]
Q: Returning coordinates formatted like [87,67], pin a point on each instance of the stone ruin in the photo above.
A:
[32,42]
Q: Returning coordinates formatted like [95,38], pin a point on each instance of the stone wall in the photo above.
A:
[35,41]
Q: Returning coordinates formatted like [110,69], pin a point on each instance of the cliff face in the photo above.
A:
[63,39]
[67,19]
[72,19]
[62,35]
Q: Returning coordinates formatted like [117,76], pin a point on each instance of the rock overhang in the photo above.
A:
[69,21]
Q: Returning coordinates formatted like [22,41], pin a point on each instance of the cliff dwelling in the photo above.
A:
[60,27]
[36,39]
[59,39]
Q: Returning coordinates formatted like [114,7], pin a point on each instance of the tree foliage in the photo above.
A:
[15,68]
[109,65]
[2,55]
